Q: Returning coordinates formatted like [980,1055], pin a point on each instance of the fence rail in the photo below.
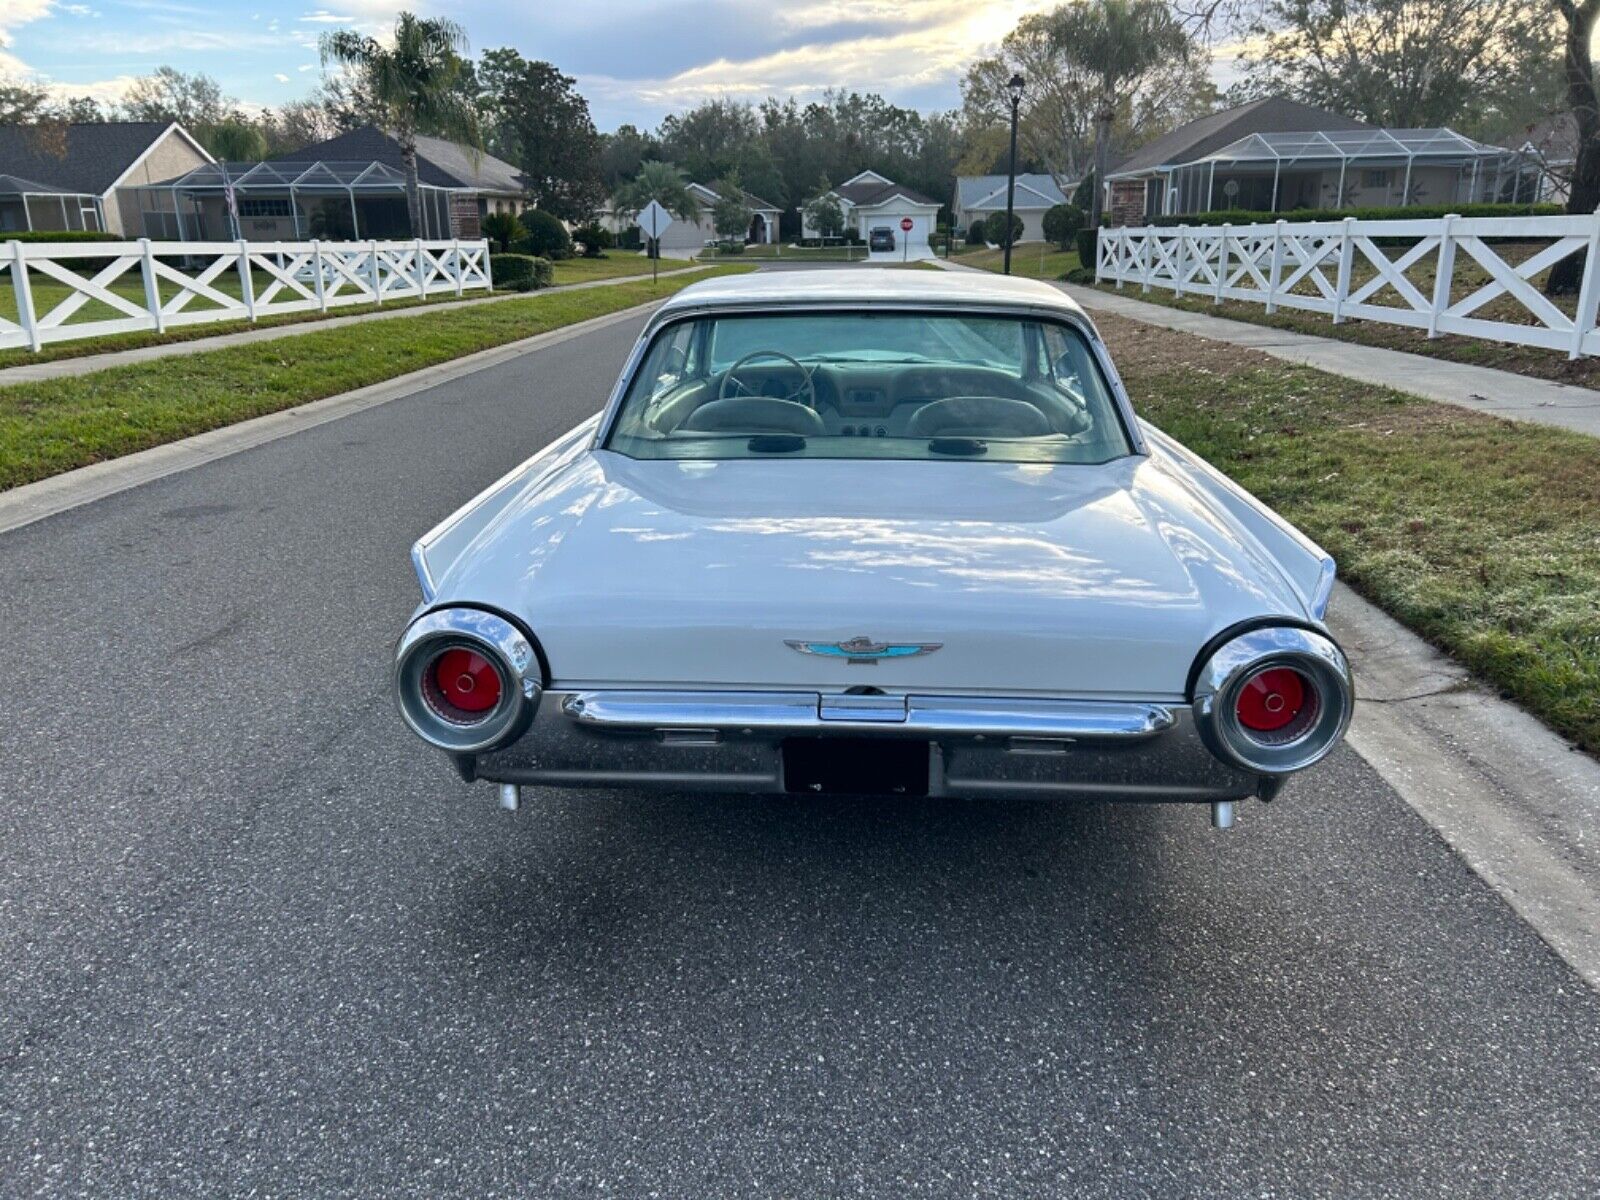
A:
[1476,276]
[64,291]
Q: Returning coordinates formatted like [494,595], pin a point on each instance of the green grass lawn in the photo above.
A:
[1031,260]
[56,425]
[614,265]
[1481,534]
[791,253]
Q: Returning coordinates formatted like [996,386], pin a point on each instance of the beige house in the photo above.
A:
[88,176]
[684,239]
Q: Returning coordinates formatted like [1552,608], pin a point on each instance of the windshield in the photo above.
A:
[870,385]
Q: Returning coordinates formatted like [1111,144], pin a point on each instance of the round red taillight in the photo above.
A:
[1271,699]
[467,681]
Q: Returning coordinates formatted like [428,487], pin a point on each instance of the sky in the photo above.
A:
[635,60]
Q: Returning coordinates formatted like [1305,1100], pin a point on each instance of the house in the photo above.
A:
[871,201]
[1140,186]
[1553,144]
[684,239]
[1276,155]
[350,186]
[980,196]
[87,176]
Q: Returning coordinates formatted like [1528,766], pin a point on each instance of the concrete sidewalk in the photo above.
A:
[1502,393]
[63,367]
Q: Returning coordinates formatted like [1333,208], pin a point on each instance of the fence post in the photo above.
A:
[1588,294]
[1149,257]
[1347,256]
[152,294]
[455,264]
[488,267]
[1182,255]
[1275,273]
[1443,271]
[372,271]
[246,285]
[316,274]
[1222,261]
[422,278]
[19,283]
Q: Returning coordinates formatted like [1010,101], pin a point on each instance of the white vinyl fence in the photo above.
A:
[74,290]
[1477,276]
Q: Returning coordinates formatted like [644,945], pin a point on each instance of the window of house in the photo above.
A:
[264,207]
[1375,179]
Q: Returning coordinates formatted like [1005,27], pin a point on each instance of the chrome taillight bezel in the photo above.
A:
[1224,674]
[502,644]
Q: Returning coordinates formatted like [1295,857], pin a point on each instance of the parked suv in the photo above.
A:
[880,239]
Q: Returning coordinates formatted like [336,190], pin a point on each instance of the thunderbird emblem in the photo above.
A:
[864,650]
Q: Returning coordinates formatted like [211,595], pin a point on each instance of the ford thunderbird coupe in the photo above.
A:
[873,532]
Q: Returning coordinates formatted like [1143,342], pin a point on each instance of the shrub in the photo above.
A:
[975,232]
[1062,222]
[730,247]
[630,238]
[994,229]
[1414,212]
[520,272]
[63,235]
[547,237]
[595,238]
[501,229]
[1088,243]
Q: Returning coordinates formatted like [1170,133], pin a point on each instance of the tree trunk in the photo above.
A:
[1584,103]
[1102,153]
[408,160]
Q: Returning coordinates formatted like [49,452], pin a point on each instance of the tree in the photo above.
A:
[542,124]
[622,154]
[1122,44]
[1401,63]
[822,212]
[1061,224]
[663,183]
[414,83]
[1583,100]
[234,140]
[546,236]
[22,103]
[994,229]
[730,215]
[169,95]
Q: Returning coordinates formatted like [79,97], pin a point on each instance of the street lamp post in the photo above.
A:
[1015,88]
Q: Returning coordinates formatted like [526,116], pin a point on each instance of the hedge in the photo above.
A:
[1414,212]
[64,235]
[520,272]
[1088,245]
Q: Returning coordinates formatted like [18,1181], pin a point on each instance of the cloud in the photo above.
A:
[16,13]
[282,78]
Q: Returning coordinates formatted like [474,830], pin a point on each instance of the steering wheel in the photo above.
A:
[806,388]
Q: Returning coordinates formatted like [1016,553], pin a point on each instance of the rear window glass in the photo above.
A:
[870,385]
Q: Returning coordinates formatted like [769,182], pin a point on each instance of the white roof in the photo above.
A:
[855,287]
[1340,145]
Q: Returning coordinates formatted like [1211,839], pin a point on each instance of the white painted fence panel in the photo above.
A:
[1313,265]
[191,283]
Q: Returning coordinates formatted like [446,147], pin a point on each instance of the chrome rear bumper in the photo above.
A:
[977,746]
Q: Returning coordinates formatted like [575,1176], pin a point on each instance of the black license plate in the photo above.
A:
[856,766]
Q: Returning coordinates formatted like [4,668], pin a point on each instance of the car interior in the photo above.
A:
[1049,392]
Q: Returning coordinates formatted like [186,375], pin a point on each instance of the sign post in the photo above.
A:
[905,241]
[653,221]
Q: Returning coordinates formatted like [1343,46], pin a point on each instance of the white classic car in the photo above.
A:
[867,531]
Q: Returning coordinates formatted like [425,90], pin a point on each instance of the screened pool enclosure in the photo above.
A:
[292,201]
[1353,168]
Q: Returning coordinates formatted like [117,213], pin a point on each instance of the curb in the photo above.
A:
[1512,799]
[34,501]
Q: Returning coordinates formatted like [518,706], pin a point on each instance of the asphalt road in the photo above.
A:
[256,940]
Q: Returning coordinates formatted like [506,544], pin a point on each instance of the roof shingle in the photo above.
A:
[86,158]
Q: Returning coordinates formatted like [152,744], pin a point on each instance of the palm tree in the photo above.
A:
[663,183]
[1119,43]
[414,83]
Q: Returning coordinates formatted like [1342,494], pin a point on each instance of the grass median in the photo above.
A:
[1481,534]
[59,424]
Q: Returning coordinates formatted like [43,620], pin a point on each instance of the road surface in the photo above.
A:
[255,939]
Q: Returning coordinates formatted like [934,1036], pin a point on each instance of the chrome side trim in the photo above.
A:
[921,716]
[1324,589]
[1216,693]
[419,564]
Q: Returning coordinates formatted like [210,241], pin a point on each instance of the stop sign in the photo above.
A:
[905,224]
